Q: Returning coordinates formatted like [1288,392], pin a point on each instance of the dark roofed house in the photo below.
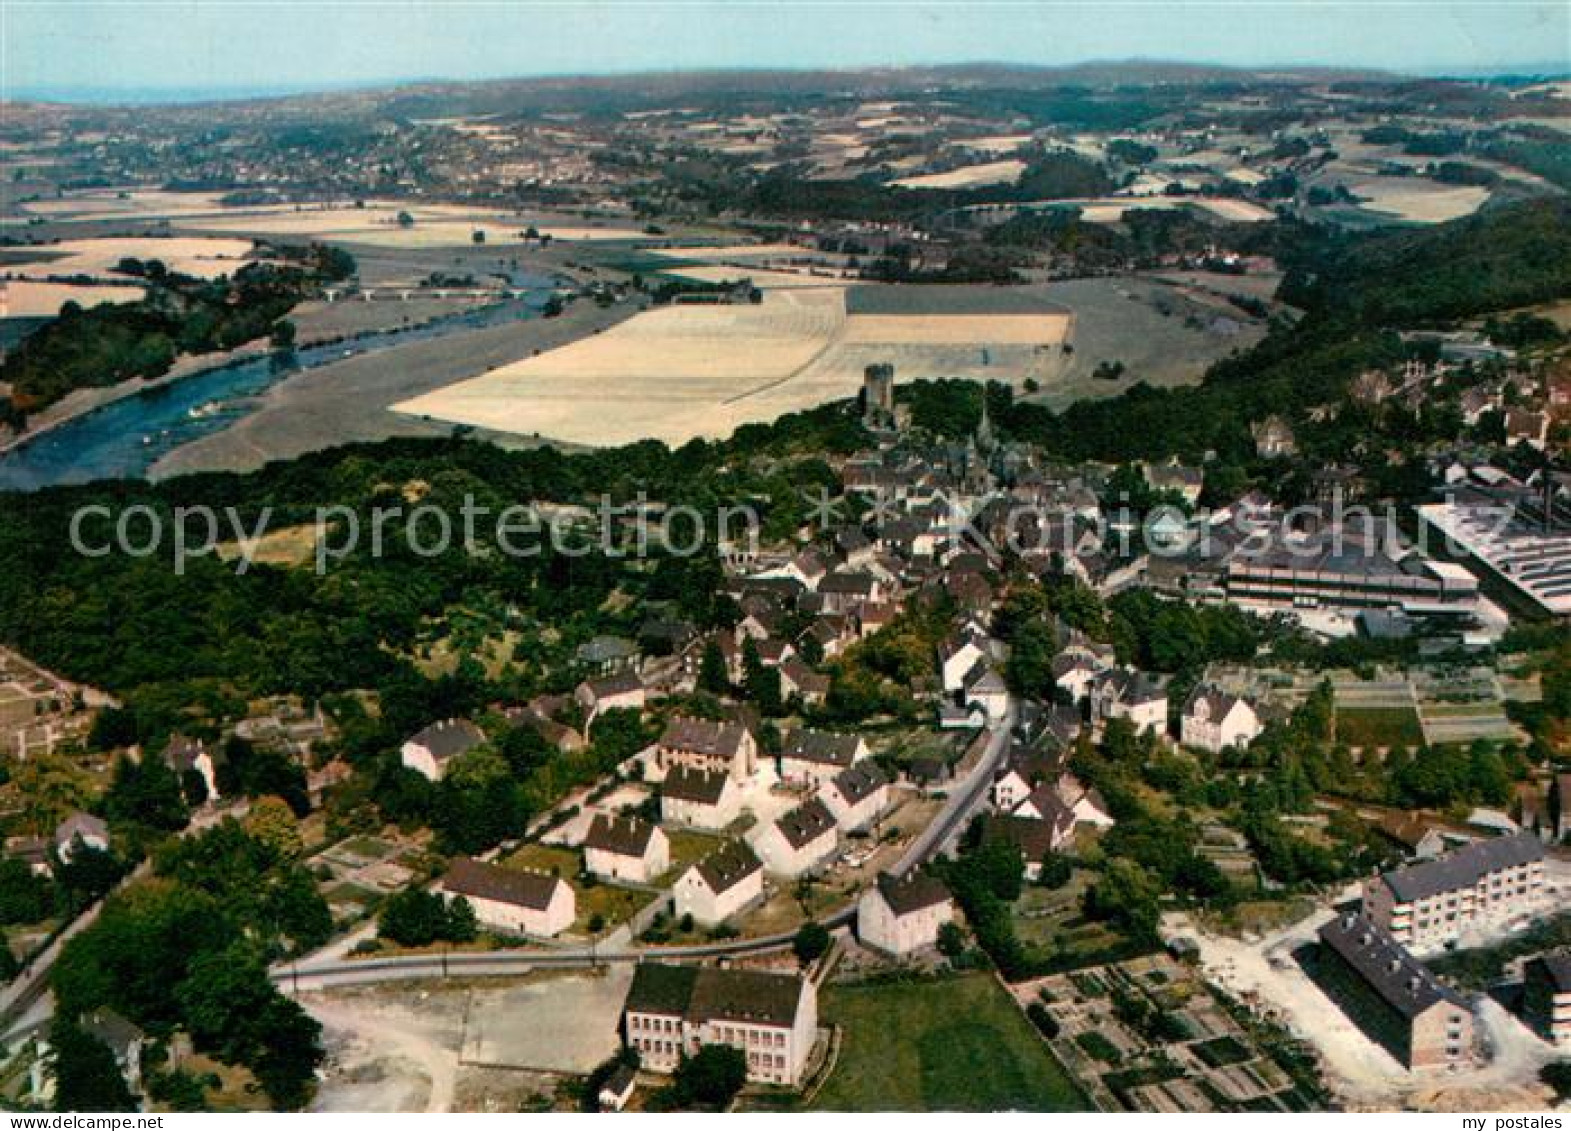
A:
[1392,996]
[798,841]
[1546,997]
[815,756]
[706,745]
[721,885]
[512,899]
[903,914]
[618,1088]
[857,795]
[430,751]
[626,848]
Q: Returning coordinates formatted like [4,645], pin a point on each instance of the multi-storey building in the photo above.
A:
[673,1011]
[704,745]
[1430,904]
[1393,997]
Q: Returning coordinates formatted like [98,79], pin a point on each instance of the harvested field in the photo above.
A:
[766,278]
[27,299]
[1418,201]
[969,176]
[199,256]
[958,330]
[702,371]
[347,400]
[671,374]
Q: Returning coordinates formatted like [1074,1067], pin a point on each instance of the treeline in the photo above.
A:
[104,345]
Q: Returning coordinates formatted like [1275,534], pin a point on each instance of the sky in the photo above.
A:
[104,48]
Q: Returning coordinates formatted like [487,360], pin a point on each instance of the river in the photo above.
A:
[123,439]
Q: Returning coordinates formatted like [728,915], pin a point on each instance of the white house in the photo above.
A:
[430,751]
[721,885]
[673,1011]
[1125,694]
[80,830]
[621,690]
[799,841]
[1084,803]
[812,757]
[1214,720]
[700,799]
[957,657]
[618,1088]
[857,796]
[985,688]
[901,916]
[506,899]
[625,848]
[1075,672]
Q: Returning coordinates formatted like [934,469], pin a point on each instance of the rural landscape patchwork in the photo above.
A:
[884,583]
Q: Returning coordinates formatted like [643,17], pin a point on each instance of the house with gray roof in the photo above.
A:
[625,848]
[512,899]
[812,757]
[721,885]
[429,752]
[857,796]
[699,799]
[1546,997]
[1488,883]
[1392,996]
[798,842]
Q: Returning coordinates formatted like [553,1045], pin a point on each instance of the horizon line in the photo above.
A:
[176,94]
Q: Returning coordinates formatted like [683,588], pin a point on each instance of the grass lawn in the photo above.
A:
[687,848]
[613,904]
[1379,726]
[549,858]
[959,1044]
